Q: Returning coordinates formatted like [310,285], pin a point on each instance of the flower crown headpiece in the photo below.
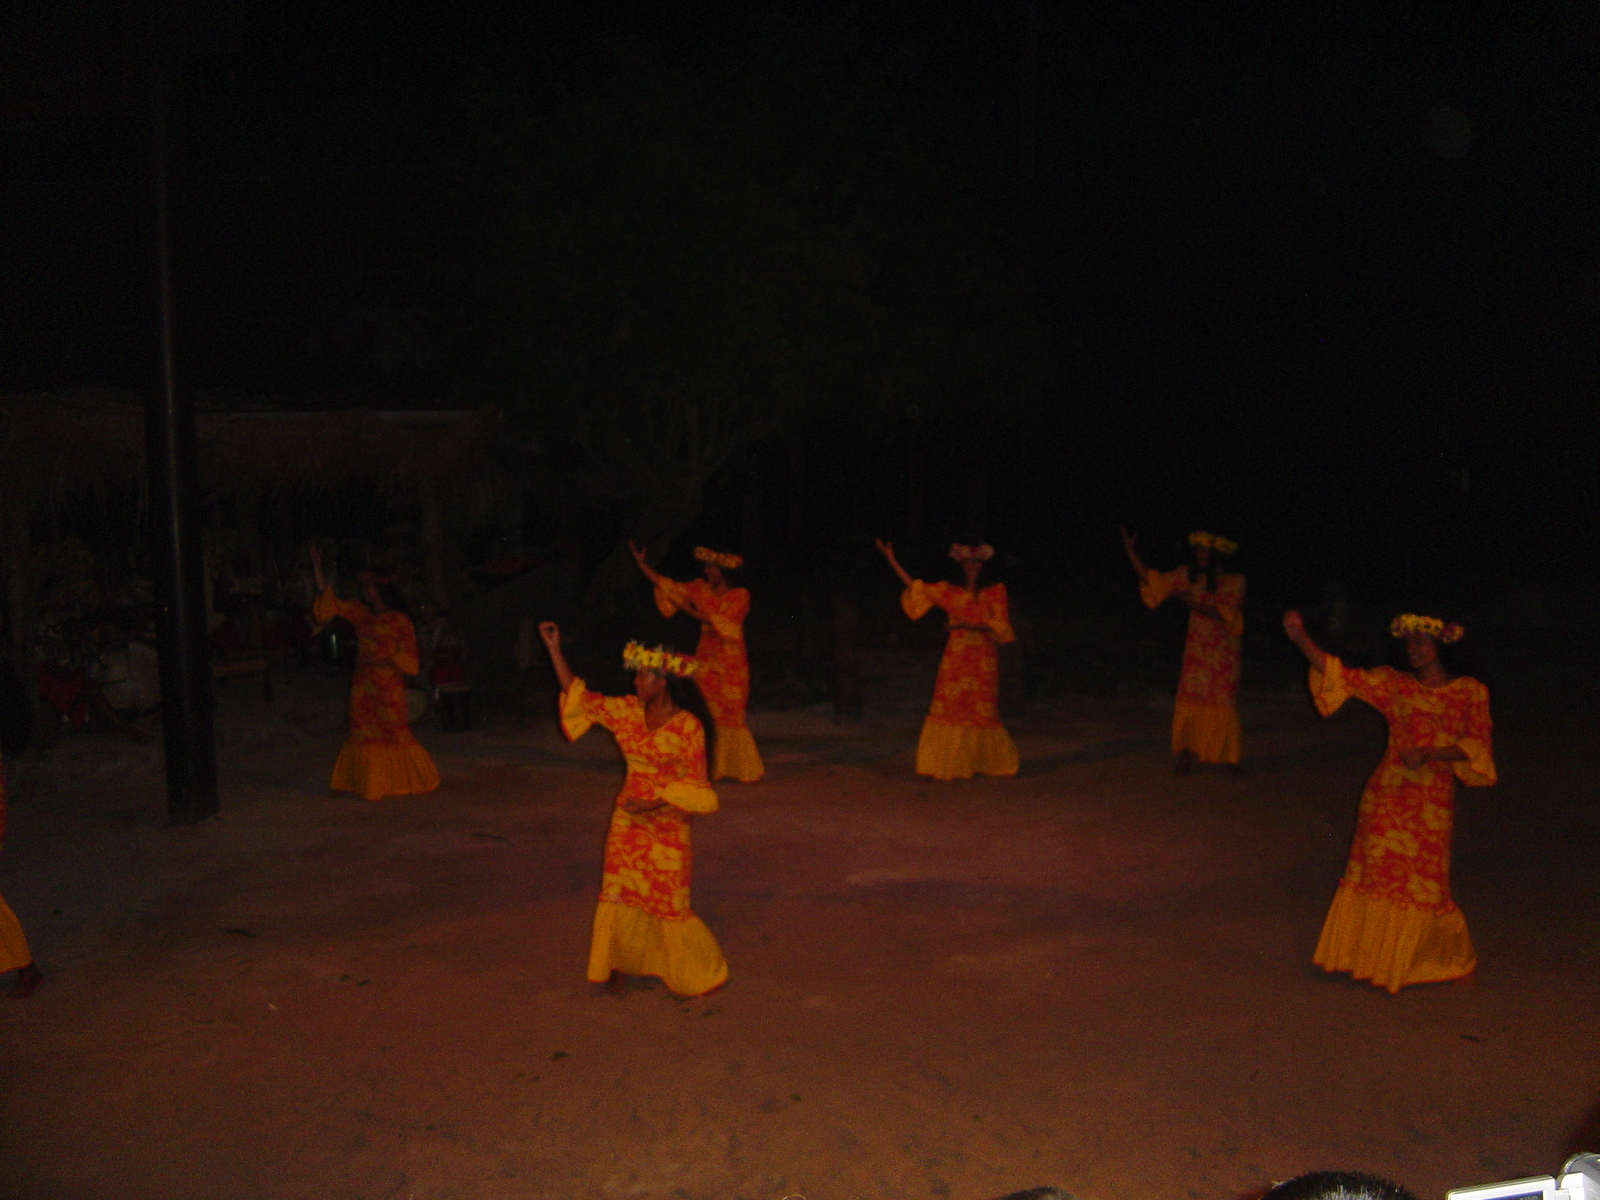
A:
[636,656]
[1216,541]
[728,562]
[963,554]
[1431,626]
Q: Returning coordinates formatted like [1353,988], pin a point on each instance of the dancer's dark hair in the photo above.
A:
[394,598]
[1338,1185]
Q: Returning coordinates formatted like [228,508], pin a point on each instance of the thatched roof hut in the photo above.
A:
[57,445]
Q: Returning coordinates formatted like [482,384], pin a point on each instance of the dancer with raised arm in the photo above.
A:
[962,734]
[1392,921]
[381,756]
[1205,720]
[724,675]
[643,924]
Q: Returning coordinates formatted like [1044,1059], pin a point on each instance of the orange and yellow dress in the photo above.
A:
[1205,720]
[962,734]
[724,674]
[14,952]
[1392,920]
[381,757]
[643,924]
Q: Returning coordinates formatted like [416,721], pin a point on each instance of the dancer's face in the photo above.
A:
[1422,651]
[713,574]
[648,685]
[970,570]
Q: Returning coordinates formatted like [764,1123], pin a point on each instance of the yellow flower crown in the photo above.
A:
[636,656]
[1216,541]
[728,562]
[1431,626]
[963,554]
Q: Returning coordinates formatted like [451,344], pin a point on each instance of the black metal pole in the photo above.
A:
[171,461]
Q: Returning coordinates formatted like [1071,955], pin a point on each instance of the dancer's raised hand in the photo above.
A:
[887,550]
[1129,540]
[550,635]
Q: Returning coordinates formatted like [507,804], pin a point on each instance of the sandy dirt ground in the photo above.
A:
[1094,976]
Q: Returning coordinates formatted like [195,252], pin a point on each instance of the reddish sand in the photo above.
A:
[1094,976]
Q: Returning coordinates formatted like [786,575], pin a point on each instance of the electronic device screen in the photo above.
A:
[1516,1189]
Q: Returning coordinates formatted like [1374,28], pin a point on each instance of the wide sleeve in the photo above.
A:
[728,611]
[1477,742]
[917,599]
[327,606]
[691,790]
[997,614]
[1156,586]
[1331,687]
[1229,603]
[669,595]
[395,639]
[581,708]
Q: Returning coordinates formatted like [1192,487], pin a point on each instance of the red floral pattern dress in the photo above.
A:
[643,922]
[381,756]
[962,734]
[724,674]
[1392,920]
[1205,720]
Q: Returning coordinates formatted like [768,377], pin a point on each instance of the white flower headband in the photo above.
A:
[964,554]
[1433,627]
[636,656]
[728,562]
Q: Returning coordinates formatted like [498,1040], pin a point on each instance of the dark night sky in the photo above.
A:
[1374,196]
[1273,240]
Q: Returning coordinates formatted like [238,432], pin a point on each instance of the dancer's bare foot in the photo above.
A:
[28,980]
[1185,763]
[617,985]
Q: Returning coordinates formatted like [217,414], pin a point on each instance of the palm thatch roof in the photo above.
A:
[53,445]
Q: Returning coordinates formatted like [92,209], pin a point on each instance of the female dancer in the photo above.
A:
[14,952]
[1205,721]
[381,757]
[1392,921]
[643,924]
[724,674]
[962,734]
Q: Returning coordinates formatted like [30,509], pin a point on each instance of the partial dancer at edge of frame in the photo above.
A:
[14,952]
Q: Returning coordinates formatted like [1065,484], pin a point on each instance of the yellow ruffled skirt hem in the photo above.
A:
[961,751]
[682,954]
[14,952]
[1393,945]
[1210,732]
[736,756]
[373,770]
